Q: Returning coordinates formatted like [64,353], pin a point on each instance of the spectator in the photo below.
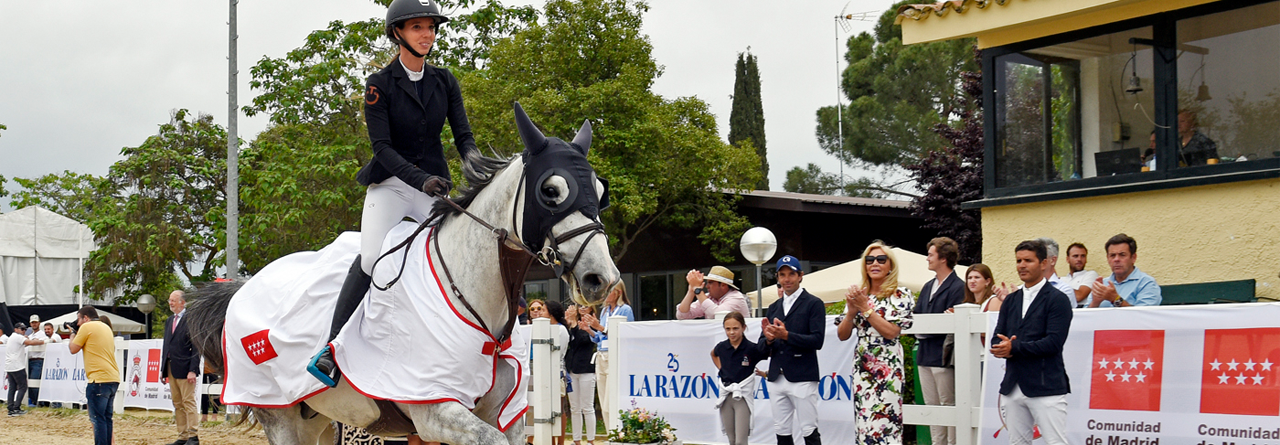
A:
[101,370]
[1030,333]
[35,359]
[1193,146]
[537,309]
[614,305]
[1081,279]
[210,402]
[879,310]
[15,359]
[33,326]
[939,295]
[736,358]
[582,375]
[1051,272]
[980,288]
[793,333]
[711,293]
[180,368]
[1127,285]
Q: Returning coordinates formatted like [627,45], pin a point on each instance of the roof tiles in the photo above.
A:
[923,11]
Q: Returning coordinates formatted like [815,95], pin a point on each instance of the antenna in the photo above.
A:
[842,23]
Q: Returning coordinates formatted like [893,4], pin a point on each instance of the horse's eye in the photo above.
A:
[551,192]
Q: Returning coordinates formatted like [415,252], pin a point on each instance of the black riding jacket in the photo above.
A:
[405,119]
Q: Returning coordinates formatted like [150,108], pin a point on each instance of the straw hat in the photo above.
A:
[721,274]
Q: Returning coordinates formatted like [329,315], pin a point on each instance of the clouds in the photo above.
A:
[79,83]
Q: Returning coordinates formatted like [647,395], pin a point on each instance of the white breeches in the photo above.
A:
[385,205]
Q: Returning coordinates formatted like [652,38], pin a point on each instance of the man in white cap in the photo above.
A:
[35,359]
[711,293]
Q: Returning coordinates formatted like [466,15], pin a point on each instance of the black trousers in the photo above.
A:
[17,389]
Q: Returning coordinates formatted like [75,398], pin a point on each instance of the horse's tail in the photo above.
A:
[205,317]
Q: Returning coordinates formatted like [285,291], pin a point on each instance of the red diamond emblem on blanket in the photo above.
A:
[258,346]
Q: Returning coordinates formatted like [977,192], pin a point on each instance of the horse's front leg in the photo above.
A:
[450,422]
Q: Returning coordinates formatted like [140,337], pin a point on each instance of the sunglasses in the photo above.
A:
[535,308]
[872,259]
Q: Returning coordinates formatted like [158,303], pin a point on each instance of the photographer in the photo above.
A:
[711,293]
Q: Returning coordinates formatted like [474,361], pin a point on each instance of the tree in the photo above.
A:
[166,211]
[953,175]
[897,94]
[665,161]
[73,195]
[812,180]
[298,190]
[746,119]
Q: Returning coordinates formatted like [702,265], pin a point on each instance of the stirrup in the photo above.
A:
[314,370]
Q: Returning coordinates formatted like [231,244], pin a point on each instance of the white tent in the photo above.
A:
[119,324]
[42,257]
[832,283]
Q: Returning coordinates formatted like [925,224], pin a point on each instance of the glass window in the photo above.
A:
[655,298]
[1073,110]
[1228,89]
[535,291]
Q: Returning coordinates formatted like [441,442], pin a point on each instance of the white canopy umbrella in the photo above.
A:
[119,324]
[832,283]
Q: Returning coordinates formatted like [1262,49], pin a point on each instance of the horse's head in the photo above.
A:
[561,219]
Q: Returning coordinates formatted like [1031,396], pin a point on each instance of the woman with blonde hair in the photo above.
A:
[615,305]
[879,310]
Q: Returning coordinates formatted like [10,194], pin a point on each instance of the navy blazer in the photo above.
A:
[178,354]
[797,357]
[949,294]
[1036,363]
[405,128]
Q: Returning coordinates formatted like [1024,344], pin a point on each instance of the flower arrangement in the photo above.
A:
[638,425]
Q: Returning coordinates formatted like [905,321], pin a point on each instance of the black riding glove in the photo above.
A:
[436,186]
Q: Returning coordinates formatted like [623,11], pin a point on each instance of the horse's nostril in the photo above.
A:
[592,281]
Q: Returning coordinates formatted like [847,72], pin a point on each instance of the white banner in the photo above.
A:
[1199,375]
[665,366]
[63,378]
[142,379]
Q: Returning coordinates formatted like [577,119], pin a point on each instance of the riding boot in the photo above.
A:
[353,291]
[785,440]
[813,438]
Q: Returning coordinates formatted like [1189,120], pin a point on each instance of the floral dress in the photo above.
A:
[878,375]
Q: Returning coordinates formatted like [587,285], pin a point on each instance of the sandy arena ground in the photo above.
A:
[133,427]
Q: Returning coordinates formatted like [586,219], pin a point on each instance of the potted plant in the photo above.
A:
[639,426]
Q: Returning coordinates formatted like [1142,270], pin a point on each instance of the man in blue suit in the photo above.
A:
[793,333]
[939,295]
[1030,333]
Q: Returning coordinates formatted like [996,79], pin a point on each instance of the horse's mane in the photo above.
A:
[479,171]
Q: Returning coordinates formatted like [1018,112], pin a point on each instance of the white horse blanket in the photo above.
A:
[406,344]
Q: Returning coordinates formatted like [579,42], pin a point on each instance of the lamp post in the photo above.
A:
[758,245]
[147,303]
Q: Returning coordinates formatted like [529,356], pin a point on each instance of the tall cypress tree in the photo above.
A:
[746,121]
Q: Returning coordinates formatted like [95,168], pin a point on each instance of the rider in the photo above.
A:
[406,105]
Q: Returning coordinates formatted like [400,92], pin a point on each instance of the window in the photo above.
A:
[1228,87]
[655,298]
[1059,106]
[1102,107]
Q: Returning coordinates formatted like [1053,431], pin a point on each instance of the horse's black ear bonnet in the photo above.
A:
[545,157]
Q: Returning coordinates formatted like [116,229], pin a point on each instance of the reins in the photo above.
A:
[514,259]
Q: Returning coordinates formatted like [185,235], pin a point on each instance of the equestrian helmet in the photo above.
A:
[403,10]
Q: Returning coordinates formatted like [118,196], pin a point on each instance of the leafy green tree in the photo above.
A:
[298,190]
[74,195]
[897,93]
[746,119]
[666,164]
[812,180]
[166,211]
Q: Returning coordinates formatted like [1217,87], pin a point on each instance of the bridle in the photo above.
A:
[514,261]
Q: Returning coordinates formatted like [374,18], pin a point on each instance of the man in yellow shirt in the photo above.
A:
[101,370]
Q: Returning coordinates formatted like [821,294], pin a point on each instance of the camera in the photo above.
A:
[69,326]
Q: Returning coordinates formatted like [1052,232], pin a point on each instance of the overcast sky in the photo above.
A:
[81,80]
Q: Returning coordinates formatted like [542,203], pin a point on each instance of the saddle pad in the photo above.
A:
[278,320]
[410,344]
